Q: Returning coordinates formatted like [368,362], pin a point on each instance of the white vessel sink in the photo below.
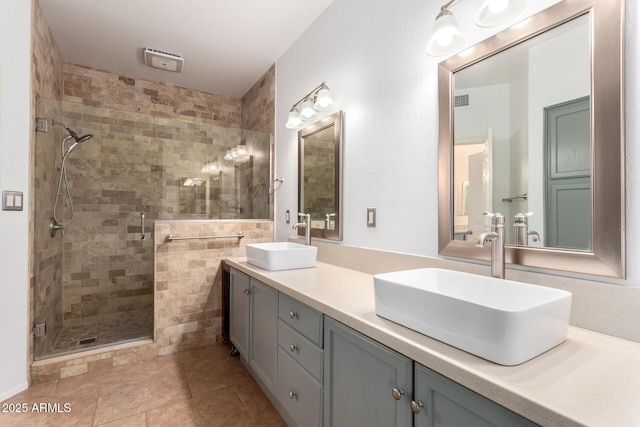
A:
[503,321]
[281,255]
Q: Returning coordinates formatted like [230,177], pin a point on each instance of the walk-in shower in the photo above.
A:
[56,223]
[94,285]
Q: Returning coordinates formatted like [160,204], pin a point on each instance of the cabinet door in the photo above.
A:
[360,378]
[240,291]
[447,403]
[264,338]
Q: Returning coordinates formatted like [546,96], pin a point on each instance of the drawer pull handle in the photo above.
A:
[293,315]
[415,406]
[292,348]
[246,291]
[293,395]
[397,393]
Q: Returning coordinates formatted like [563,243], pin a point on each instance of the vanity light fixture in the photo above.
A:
[496,12]
[210,167]
[319,99]
[237,154]
[193,182]
[447,37]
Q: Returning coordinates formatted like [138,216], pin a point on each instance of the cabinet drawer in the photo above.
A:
[301,317]
[298,392]
[300,349]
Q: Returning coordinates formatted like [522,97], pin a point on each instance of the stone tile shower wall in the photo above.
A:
[46,260]
[134,164]
[258,107]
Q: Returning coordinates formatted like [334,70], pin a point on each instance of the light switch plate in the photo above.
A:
[371,217]
[12,200]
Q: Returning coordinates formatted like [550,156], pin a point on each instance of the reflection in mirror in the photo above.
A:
[319,171]
[531,126]
[542,162]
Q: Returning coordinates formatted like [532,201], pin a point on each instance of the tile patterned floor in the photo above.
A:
[203,387]
[129,325]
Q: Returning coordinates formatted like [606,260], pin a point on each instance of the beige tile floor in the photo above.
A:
[203,387]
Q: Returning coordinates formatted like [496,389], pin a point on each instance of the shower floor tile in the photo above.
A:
[128,326]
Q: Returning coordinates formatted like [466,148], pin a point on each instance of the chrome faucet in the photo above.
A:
[306,225]
[327,220]
[496,237]
[521,224]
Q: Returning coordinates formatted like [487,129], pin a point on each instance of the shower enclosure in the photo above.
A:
[94,284]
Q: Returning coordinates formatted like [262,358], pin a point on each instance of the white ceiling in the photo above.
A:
[227,45]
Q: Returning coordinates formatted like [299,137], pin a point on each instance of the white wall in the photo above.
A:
[15,96]
[371,54]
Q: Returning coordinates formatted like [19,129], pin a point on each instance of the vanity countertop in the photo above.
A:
[591,379]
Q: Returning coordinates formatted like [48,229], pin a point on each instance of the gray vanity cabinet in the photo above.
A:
[365,383]
[253,325]
[300,361]
[441,402]
[239,301]
[263,335]
[320,372]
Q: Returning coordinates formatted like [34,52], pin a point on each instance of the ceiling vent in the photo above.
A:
[461,101]
[163,60]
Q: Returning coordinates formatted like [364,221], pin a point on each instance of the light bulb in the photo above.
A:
[324,100]
[497,6]
[306,110]
[445,38]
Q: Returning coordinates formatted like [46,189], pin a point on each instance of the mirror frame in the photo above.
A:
[607,256]
[334,120]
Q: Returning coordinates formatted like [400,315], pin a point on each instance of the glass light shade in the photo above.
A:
[210,167]
[241,150]
[242,155]
[294,121]
[446,38]
[496,12]
[306,110]
[228,155]
[324,100]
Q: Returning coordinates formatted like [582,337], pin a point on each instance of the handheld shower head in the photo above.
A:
[74,135]
[83,138]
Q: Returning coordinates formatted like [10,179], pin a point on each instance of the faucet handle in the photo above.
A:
[496,218]
[520,216]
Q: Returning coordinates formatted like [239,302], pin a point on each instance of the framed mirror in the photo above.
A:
[532,126]
[320,176]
